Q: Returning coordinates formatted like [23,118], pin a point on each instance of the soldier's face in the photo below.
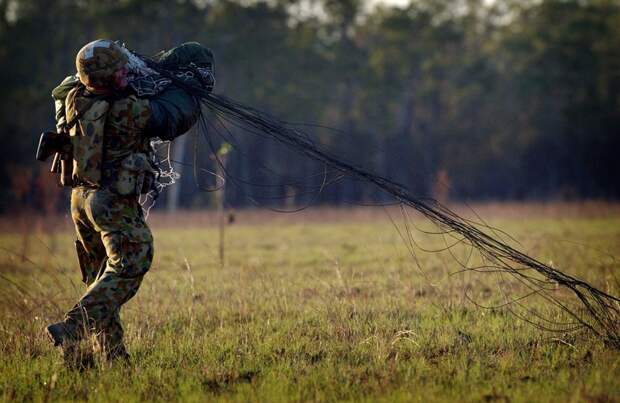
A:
[120,78]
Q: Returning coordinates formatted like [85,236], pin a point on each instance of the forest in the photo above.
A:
[456,99]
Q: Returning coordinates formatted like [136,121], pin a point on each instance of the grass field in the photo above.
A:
[315,309]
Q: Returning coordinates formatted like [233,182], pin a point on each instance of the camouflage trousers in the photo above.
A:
[115,250]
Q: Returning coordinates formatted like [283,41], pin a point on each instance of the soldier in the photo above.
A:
[110,128]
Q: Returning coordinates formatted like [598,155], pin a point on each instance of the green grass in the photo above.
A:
[312,312]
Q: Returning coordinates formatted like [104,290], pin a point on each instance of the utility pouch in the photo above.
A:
[149,181]
[87,133]
[83,260]
[135,176]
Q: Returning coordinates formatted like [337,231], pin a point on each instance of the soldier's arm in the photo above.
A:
[60,94]
[173,113]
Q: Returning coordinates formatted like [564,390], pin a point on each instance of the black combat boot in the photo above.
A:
[57,333]
[73,356]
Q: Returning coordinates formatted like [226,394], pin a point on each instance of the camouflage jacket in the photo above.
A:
[107,131]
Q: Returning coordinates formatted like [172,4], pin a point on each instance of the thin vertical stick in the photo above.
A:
[221,198]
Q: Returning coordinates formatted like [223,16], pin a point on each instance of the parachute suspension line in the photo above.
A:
[599,312]
[165,174]
[590,308]
[206,126]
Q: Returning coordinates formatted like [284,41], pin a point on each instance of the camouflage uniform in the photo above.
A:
[110,137]
[117,250]
[115,246]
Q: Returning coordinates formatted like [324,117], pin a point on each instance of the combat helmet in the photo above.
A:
[97,61]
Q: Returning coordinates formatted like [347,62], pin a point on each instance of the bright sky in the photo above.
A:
[402,3]
[398,3]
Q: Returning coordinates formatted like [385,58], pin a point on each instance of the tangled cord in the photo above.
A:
[598,311]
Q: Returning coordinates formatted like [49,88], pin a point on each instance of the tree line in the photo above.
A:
[455,99]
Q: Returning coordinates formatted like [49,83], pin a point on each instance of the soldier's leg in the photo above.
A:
[136,257]
[91,255]
[126,265]
[90,250]
[110,338]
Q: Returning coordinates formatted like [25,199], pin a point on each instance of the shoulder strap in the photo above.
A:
[79,101]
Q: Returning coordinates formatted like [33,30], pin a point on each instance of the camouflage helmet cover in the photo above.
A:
[97,61]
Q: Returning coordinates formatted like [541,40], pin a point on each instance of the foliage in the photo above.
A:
[509,100]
